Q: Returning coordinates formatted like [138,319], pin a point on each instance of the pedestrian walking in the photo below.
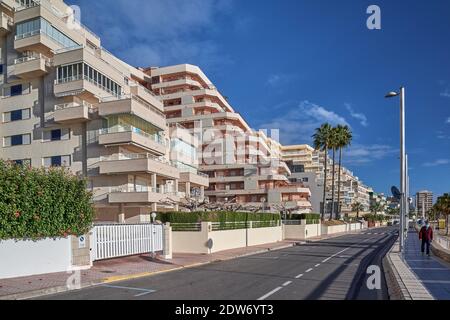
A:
[426,235]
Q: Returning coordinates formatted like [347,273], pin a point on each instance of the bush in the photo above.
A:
[215,216]
[311,218]
[375,218]
[333,223]
[38,203]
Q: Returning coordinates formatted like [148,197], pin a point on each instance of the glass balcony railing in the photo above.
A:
[118,129]
[136,156]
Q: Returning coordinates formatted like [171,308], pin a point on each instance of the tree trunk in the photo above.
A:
[325,184]
[333,185]
[339,184]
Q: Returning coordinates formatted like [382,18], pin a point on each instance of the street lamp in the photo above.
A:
[393,94]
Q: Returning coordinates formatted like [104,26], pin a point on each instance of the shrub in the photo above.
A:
[215,216]
[39,203]
[333,223]
[311,218]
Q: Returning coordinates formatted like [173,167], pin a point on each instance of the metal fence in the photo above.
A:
[112,241]
[221,226]
[190,227]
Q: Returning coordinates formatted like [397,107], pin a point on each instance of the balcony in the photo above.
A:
[128,135]
[143,196]
[132,104]
[133,163]
[177,83]
[78,85]
[73,112]
[32,66]
[6,24]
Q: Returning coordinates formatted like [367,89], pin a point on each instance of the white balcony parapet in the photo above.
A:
[69,105]
[135,98]
[135,156]
[48,61]
[154,137]
[82,77]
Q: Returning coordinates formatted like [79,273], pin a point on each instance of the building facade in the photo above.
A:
[66,101]
[424,202]
[244,166]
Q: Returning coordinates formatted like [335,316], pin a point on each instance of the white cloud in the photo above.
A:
[277,80]
[436,163]
[446,93]
[448,120]
[155,32]
[360,154]
[297,121]
[359,116]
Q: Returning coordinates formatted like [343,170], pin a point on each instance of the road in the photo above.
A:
[333,269]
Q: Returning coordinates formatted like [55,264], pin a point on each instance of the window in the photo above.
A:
[305,179]
[17,140]
[40,25]
[16,115]
[56,135]
[1,69]
[57,161]
[16,90]
[23,162]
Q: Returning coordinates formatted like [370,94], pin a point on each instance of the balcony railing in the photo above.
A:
[48,61]
[82,77]
[10,21]
[136,156]
[154,137]
[70,105]
[137,99]
[63,16]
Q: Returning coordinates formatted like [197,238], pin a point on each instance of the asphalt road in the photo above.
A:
[333,269]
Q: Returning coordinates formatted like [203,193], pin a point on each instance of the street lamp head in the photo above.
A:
[392,94]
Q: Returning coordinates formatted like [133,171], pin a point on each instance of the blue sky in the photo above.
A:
[294,64]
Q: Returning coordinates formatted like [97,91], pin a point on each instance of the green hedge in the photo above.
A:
[215,216]
[38,203]
[375,218]
[311,218]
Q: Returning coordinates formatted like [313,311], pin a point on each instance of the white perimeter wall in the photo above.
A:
[302,232]
[25,258]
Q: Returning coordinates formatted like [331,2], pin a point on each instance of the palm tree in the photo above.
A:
[377,207]
[443,206]
[334,145]
[344,139]
[357,206]
[322,142]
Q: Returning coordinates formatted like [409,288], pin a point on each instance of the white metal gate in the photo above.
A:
[112,241]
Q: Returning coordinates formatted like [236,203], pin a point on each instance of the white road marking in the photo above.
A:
[299,276]
[264,297]
[317,265]
[287,283]
[145,291]
[327,259]
[309,270]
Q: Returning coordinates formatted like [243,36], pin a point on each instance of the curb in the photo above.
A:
[62,289]
[440,252]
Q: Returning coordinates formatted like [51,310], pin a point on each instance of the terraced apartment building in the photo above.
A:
[244,165]
[307,167]
[66,101]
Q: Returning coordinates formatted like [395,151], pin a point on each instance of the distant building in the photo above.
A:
[424,201]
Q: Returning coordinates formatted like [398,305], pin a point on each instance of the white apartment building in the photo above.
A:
[66,101]
[244,166]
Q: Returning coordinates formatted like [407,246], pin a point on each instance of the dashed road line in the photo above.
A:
[287,283]
[309,270]
[299,276]
[264,297]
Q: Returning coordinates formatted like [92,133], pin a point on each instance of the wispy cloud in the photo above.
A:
[446,93]
[436,163]
[363,154]
[298,120]
[278,80]
[448,120]
[359,116]
[155,32]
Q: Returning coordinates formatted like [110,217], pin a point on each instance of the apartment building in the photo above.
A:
[66,101]
[244,166]
[424,201]
[307,166]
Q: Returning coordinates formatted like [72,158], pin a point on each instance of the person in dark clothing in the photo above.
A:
[426,235]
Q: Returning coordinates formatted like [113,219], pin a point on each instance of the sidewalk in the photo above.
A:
[121,269]
[415,276]
[433,273]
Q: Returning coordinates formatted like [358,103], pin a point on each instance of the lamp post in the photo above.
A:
[402,164]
